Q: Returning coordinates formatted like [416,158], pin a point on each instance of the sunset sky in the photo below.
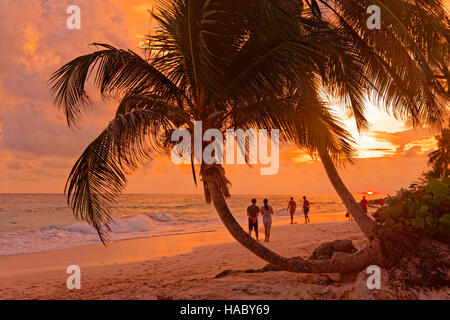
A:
[37,150]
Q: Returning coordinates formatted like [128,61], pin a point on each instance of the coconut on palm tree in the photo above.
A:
[256,63]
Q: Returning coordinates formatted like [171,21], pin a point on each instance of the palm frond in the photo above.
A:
[402,58]
[439,159]
[99,175]
[301,119]
[116,72]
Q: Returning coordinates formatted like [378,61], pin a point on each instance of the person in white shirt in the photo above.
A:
[267,213]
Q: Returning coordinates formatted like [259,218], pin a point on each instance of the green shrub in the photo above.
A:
[425,211]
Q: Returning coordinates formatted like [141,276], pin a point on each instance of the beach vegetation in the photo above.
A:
[425,210]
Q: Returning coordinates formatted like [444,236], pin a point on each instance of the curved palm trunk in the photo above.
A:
[362,219]
[357,261]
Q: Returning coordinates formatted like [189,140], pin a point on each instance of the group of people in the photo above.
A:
[292,207]
[253,212]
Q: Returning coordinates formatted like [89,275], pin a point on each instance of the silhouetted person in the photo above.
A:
[252,213]
[292,206]
[267,213]
[306,208]
[364,204]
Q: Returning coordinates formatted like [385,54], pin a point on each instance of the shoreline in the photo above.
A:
[113,252]
[178,267]
[62,237]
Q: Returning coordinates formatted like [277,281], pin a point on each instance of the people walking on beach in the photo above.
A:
[292,206]
[306,208]
[252,213]
[267,213]
[364,204]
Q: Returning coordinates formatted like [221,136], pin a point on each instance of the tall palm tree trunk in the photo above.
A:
[357,261]
[362,219]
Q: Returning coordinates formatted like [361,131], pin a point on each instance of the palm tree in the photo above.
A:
[246,64]
[440,158]
[406,64]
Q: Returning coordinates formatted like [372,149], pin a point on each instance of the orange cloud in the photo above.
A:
[407,139]
[31,37]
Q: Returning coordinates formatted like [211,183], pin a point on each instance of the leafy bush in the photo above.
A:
[425,211]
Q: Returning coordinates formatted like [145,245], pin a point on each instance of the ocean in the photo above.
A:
[32,223]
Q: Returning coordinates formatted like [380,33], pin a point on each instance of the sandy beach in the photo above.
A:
[178,267]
